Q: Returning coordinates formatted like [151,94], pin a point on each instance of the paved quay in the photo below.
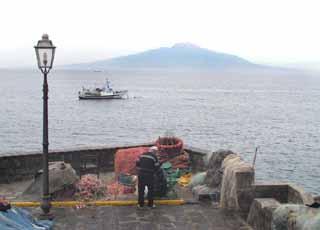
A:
[203,216]
[185,217]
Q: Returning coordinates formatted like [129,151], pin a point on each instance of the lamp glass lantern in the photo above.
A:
[45,51]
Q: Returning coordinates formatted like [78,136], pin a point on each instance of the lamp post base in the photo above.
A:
[46,206]
[47,216]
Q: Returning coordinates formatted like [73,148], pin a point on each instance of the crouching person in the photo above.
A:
[147,165]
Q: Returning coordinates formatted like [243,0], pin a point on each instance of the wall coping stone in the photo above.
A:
[75,149]
[195,150]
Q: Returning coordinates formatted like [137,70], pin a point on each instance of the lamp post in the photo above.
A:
[45,55]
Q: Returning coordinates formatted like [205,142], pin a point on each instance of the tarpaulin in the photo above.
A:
[185,179]
[20,219]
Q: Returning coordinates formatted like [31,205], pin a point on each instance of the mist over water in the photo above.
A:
[276,110]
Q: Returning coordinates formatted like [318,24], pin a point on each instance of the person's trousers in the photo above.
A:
[145,180]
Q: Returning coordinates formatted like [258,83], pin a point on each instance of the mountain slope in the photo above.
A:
[181,55]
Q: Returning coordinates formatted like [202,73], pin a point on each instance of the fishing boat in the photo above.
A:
[105,92]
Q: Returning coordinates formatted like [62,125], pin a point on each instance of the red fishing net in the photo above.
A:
[169,147]
[89,187]
[181,161]
[116,189]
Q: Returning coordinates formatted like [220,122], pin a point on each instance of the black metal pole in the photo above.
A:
[46,204]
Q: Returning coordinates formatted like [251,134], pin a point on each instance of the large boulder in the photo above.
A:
[61,175]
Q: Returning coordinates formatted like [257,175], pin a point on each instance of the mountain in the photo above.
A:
[181,55]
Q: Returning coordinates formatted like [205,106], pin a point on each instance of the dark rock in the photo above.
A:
[317,199]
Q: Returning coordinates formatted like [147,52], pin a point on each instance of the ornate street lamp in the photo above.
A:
[45,55]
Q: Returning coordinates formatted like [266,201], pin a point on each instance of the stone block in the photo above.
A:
[297,195]
[260,215]
[244,178]
[278,191]
[245,198]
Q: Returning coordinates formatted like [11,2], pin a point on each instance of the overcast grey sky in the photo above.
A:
[263,31]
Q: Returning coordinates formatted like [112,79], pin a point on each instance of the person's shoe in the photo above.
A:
[153,206]
[139,207]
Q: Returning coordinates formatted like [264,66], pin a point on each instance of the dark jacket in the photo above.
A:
[147,163]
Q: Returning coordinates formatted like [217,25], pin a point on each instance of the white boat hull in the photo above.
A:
[115,95]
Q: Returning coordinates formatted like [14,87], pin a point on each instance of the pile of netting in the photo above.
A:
[175,163]
[125,181]
[295,217]
[123,184]
[169,147]
[125,160]
[89,187]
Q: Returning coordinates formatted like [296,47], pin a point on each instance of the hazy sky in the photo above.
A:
[268,31]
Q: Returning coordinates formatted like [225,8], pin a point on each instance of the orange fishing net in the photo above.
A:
[181,161]
[125,160]
[117,189]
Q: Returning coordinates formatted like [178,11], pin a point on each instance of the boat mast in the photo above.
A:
[108,84]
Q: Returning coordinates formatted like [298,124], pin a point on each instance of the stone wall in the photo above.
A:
[283,192]
[278,191]
[18,166]
[268,197]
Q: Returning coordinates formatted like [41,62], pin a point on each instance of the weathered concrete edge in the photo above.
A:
[74,149]
[189,148]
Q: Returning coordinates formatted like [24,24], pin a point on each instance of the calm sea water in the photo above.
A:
[278,111]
